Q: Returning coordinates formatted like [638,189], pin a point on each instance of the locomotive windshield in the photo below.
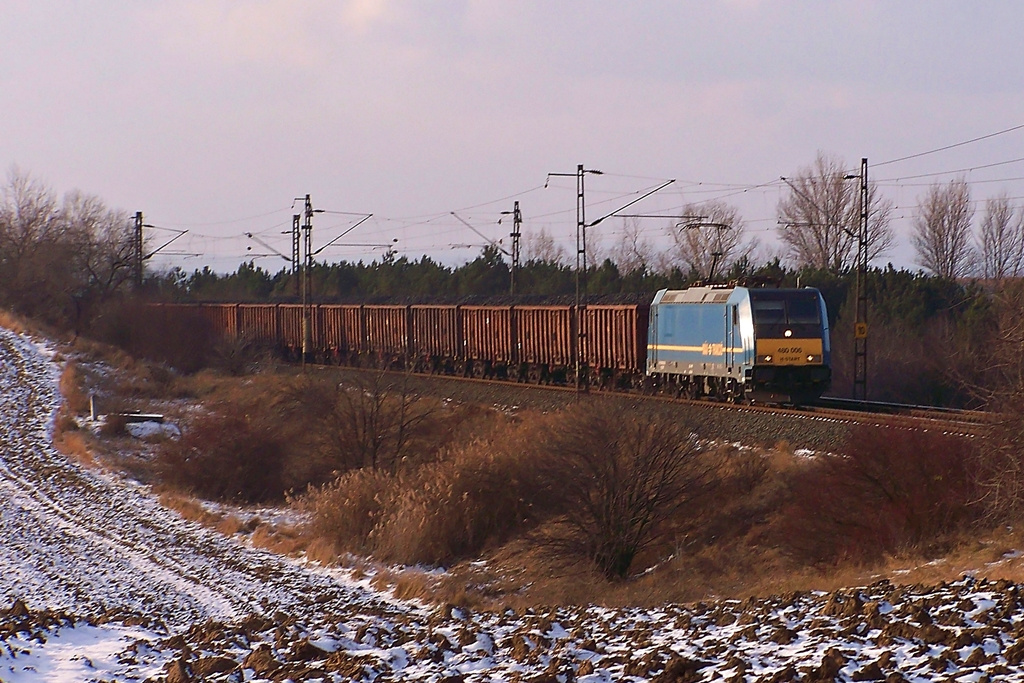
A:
[803,310]
[798,311]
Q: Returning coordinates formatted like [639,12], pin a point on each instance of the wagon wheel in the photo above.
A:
[692,390]
[479,369]
[534,374]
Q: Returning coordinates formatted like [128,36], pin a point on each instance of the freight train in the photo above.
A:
[719,342]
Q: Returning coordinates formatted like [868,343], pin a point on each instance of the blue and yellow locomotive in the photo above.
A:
[737,343]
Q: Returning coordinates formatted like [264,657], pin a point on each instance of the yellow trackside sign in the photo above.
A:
[789,352]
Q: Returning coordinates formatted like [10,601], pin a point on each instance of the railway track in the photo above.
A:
[960,422]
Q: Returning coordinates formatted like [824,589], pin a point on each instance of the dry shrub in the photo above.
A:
[74,445]
[235,356]
[479,494]
[611,480]
[997,360]
[228,456]
[65,422]
[114,424]
[374,421]
[181,339]
[893,491]
[70,385]
[1000,472]
[616,477]
[12,322]
[744,490]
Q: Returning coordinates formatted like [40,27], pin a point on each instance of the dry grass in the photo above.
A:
[322,551]
[12,322]
[72,388]
[229,525]
[283,540]
[478,494]
[190,509]
[470,493]
[73,444]
[413,583]
[67,437]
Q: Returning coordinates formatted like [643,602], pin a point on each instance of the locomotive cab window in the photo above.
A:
[774,314]
[804,310]
[769,312]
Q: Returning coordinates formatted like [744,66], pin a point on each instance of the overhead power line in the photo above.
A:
[954,145]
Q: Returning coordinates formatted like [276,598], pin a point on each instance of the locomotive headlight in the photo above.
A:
[810,358]
[788,333]
[767,359]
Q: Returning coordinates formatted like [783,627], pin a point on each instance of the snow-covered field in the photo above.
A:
[99,582]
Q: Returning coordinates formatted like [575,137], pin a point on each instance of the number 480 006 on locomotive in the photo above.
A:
[768,345]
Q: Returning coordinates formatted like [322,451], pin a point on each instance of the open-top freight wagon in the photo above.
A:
[728,343]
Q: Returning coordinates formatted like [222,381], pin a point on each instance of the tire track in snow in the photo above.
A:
[72,539]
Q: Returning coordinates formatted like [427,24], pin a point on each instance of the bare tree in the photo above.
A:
[34,254]
[105,240]
[633,253]
[942,230]
[820,216]
[709,234]
[1001,243]
[104,249]
[58,259]
[541,247]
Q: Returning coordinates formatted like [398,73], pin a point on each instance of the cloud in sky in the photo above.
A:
[204,112]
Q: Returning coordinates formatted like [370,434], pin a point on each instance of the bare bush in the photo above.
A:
[183,341]
[227,456]
[1001,469]
[374,422]
[616,477]
[891,491]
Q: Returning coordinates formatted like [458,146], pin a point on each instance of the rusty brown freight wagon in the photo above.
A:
[221,318]
[545,341]
[342,332]
[487,339]
[290,317]
[259,323]
[387,333]
[435,337]
[615,343]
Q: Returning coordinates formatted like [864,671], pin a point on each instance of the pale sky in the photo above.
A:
[212,116]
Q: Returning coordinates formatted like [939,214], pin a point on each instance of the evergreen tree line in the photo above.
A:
[69,261]
[923,328]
